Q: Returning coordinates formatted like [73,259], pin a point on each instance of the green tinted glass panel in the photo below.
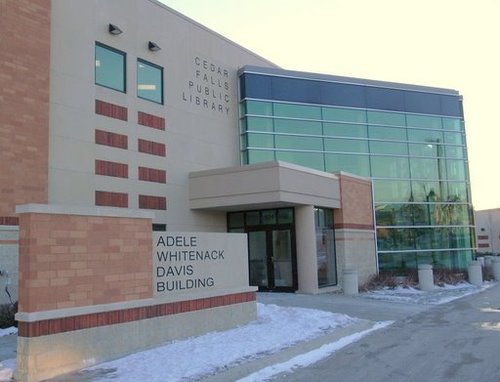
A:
[236,220]
[392,190]
[257,156]
[387,133]
[259,108]
[312,160]
[260,140]
[454,138]
[426,149]
[259,124]
[390,167]
[268,217]
[429,191]
[394,214]
[346,145]
[456,170]
[381,118]
[427,136]
[422,168]
[353,163]
[243,125]
[397,148]
[452,124]
[298,142]
[252,218]
[458,192]
[397,261]
[457,152]
[297,111]
[110,68]
[423,121]
[344,130]
[285,216]
[149,81]
[395,239]
[346,115]
[297,127]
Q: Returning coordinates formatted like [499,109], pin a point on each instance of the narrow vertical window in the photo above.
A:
[149,81]
[110,67]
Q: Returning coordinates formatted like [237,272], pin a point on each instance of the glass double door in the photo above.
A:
[272,259]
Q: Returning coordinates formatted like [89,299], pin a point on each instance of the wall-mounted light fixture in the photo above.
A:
[153,47]
[113,29]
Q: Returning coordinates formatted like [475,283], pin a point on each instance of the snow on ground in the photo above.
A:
[439,295]
[8,331]
[276,328]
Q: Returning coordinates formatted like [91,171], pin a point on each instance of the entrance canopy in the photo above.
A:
[262,185]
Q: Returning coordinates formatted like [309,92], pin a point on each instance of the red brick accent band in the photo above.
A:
[111,199]
[93,320]
[150,120]
[483,245]
[119,170]
[152,202]
[152,175]
[9,220]
[111,110]
[367,227]
[107,138]
[482,237]
[150,147]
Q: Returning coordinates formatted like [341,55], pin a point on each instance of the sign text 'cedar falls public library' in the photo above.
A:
[198,261]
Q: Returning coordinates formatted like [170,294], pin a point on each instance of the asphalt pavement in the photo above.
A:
[458,341]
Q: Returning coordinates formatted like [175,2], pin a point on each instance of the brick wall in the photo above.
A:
[71,261]
[24,102]
[356,209]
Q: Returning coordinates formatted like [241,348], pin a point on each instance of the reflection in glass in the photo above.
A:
[325,247]
[149,81]
[390,167]
[257,252]
[109,67]
[282,258]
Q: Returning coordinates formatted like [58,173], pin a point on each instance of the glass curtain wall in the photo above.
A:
[418,163]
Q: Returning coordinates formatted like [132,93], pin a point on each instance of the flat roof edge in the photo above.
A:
[278,72]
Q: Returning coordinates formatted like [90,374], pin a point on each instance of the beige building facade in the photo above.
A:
[100,140]
[488,231]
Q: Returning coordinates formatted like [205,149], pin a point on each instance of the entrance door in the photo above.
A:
[272,259]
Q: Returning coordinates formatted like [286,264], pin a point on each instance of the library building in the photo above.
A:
[152,170]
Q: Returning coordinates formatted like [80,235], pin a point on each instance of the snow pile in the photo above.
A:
[275,329]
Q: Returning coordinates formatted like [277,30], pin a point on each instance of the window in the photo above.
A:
[110,67]
[149,81]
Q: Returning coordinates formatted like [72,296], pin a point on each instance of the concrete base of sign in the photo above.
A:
[51,355]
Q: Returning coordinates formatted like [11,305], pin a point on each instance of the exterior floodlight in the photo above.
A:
[113,29]
[153,47]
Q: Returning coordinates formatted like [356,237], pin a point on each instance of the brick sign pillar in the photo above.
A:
[86,291]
